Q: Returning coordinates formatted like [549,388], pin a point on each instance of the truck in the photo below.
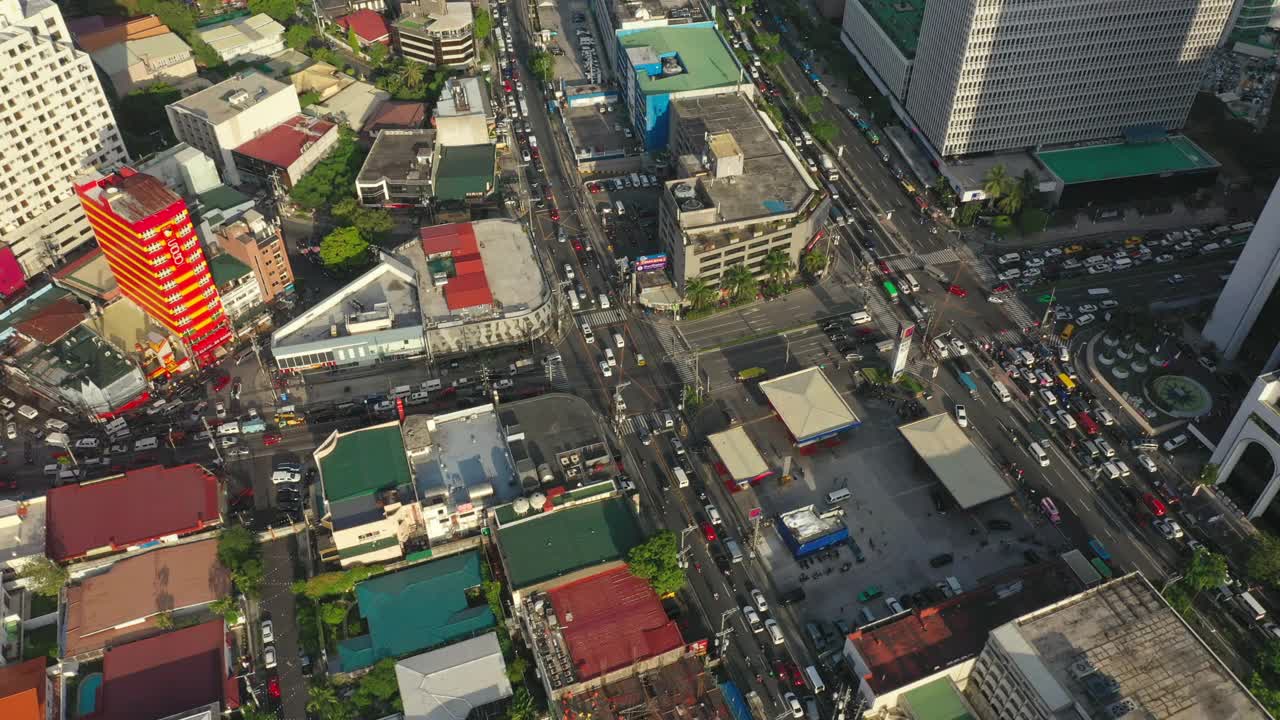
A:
[872,137]
[829,165]
[524,108]
[252,426]
[967,381]
[520,365]
[58,439]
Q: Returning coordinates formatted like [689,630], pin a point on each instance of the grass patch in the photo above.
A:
[876,375]
[910,383]
[42,642]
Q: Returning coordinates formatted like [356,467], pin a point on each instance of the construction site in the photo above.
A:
[682,690]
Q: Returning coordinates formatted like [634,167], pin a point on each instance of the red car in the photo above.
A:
[793,671]
[884,267]
[555,214]
[1154,504]
[271,439]
[273,686]
[506,85]
[709,531]
[958,291]
[577,245]
[1001,288]
[221,383]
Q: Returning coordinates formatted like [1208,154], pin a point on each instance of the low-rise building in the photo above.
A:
[135,64]
[465,173]
[256,37]
[464,115]
[370,27]
[240,291]
[95,32]
[739,192]
[27,691]
[353,105]
[218,119]
[436,32]
[188,673]
[22,529]
[334,9]
[396,115]
[259,244]
[454,681]
[398,170]
[320,78]
[279,157]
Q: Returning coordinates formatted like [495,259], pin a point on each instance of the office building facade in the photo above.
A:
[436,33]
[55,125]
[1249,296]
[146,233]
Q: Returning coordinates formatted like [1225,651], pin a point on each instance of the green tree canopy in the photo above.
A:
[378,693]
[378,54]
[353,40]
[482,24]
[333,613]
[1207,570]
[204,53]
[1208,475]
[812,104]
[542,65]
[335,583]
[814,262]
[178,16]
[344,249]
[279,10]
[996,183]
[698,293]
[656,560]
[740,282]
[773,57]
[332,178]
[968,213]
[45,577]
[226,607]
[1263,564]
[299,37]
[324,703]
[767,41]
[237,545]
[823,131]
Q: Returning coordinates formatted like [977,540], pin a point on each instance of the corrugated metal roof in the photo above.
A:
[967,474]
[808,404]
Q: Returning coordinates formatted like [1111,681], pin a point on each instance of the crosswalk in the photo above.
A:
[677,352]
[559,378]
[1013,306]
[600,318]
[651,421]
[907,263]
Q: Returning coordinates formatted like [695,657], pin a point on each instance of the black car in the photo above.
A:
[998,524]
[1031,556]
[941,560]
[791,597]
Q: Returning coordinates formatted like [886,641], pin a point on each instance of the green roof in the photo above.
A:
[937,700]
[1176,154]
[221,198]
[564,541]
[225,268]
[464,170]
[506,514]
[363,462]
[900,20]
[708,63]
[421,607]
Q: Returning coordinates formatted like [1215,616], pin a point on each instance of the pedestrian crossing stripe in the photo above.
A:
[598,318]
[651,421]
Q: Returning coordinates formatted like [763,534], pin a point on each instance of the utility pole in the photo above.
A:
[684,550]
[1048,308]
[213,442]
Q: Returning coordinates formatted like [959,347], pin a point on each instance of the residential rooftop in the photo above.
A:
[676,12]
[457,15]
[705,60]
[120,57]
[232,96]
[419,608]
[353,105]
[382,300]
[362,462]
[225,268]
[465,171]
[555,544]
[1176,154]
[23,688]
[227,36]
[683,689]
[460,458]
[283,144]
[463,96]
[1135,647]
[168,674]
[22,530]
[90,276]
[900,20]
[766,182]
[399,155]
[449,683]
[80,354]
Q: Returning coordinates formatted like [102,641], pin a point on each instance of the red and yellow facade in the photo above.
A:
[145,231]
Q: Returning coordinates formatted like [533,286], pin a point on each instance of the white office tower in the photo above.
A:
[982,76]
[1245,322]
[55,125]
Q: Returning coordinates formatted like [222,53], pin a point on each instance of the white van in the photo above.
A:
[1099,292]
[1001,391]
[911,282]
[838,496]
[1113,472]
[618,341]
[860,318]
[52,470]
[432,385]
[815,679]
[1027,358]
[117,428]
[1175,442]
[1039,454]
[604,301]
[682,480]
[610,358]
[28,412]
[419,398]
[573,299]
[87,443]
[151,443]
[56,425]
[231,428]
[619,208]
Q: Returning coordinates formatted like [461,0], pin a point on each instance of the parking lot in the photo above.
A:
[634,230]
[573,42]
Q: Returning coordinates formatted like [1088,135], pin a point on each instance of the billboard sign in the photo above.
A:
[902,348]
[649,263]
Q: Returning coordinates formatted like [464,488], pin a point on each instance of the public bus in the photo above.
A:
[1087,424]
[1101,567]
[1067,384]
[891,290]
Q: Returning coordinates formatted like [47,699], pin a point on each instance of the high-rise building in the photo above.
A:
[436,32]
[978,76]
[55,125]
[1255,16]
[145,231]
[1249,295]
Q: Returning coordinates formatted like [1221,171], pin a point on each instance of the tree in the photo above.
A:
[776,264]
[482,24]
[823,131]
[1011,201]
[698,293]
[353,40]
[968,213]
[164,620]
[176,15]
[656,560]
[334,584]
[279,10]
[516,669]
[299,37]
[522,707]
[237,545]
[1002,224]
[324,702]
[812,105]
[942,188]
[257,712]
[228,608]
[344,249]
[413,74]
[378,693]
[44,576]
[1208,475]
[1032,220]
[332,178]
[740,282]
[378,54]
[333,614]
[996,183]
[814,262]
[767,41]
[373,224]
[542,65]
[249,578]
[1263,564]
[205,54]
[773,57]
[1207,570]
[1030,188]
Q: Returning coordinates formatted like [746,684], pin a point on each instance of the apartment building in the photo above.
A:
[739,192]
[1001,75]
[56,125]
[259,244]
[219,119]
[435,32]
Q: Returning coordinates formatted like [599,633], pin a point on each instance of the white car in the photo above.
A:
[568,272]
[1007,275]
[1066,420]
[524,155]
[1034,262]
[941,346]
[775,632]
[269,656]
[1049,398]
[1177,279]
[1162,259]
[119,448]
[1053,252]
[605,370]
[1110,304]
[221,410]
[1063,314]
[758,598]
[8,403]
[1064,354]
[1087,308]
[1100,268]
[268,634]
[588,336]
[797,710]
[1085,319]
[959,345]
[1105,447]
[962,416]
[752,618]
[1170,529]
[1147,463]
[1008,258]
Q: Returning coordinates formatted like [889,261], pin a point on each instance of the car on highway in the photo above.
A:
[1048,397]
[1147,463]
[1170,529]
[1085,320]
[1178,278]
[605,370]
[1155,505]
[758,598]
[958,291]
[753,619]
[709,532]
[797,710]
[959,346]
[271,438]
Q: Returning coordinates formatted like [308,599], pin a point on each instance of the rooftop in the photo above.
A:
[22,529]
[397,115]
[225,268]
[465,252]
[420,607]
[28,307]
[121,604]
[900,20]
[399,155]
[362,462]
[94,32]
[119,511]
[706,61]
[80,355]
[809,405]
[645,11]
[130,195]
[447,684]
[52,322]
[805,524]
[466,460]
[921,642]
[232,96]
[965,471]
[369,25]
[465,171]
[1135,647]
[770,181]
[1093,163]
[554,544]
[168,674]
[457,15]
[120,57]
[612,620]
[463,96]
[937,700]
[227,37]
[352,105]
[90,276]
[738,453]
[283,144]
[382,300]
[22,690]
[683,689]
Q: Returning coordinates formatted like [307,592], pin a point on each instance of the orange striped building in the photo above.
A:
[145,231]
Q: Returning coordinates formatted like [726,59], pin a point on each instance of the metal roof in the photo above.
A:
[968,475]
[447,684]
[809,404]
[738,453]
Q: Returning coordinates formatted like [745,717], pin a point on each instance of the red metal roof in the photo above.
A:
[397,115]
[167,674]
[129,509]
[369,26]
[22,690]
[53,321]
[283,144]
[612,620]
[469,286]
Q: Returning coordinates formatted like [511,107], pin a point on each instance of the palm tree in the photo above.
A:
[324,702]
[413,74]
[740,282]
[699,293]
[257,712]
[814,262]
[776,265]
[996,184]
[1011,202]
